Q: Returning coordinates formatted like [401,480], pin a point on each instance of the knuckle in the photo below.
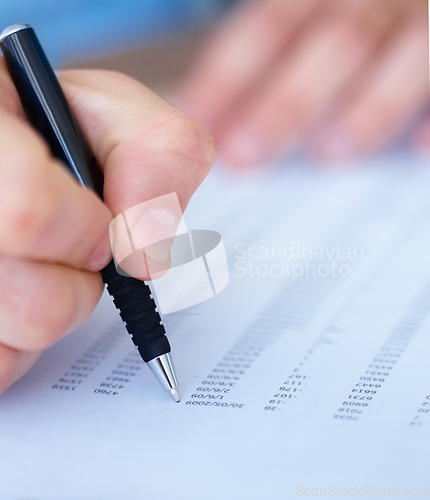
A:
[185,136]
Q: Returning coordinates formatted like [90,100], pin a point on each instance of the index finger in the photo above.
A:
[146,146]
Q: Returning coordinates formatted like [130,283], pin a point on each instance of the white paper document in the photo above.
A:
[308,376]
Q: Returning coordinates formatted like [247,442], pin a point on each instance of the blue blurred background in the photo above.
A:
[78,29]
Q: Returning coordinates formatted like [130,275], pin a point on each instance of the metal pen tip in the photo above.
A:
[162,368]
[175,394]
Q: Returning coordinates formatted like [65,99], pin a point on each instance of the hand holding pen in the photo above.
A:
[53,232]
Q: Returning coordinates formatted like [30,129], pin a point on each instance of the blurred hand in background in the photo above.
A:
[340,78]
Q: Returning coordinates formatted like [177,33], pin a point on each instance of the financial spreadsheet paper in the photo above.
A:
[308,375]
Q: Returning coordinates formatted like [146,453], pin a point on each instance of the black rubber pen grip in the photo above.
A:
[137,309]
[48,111]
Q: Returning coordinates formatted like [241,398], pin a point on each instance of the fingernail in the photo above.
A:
[154,231]
[100,256]
[334,144]
[244,146]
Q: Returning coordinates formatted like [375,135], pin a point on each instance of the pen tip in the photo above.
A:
[175,394]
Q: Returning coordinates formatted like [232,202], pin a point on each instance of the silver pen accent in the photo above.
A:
[163,371]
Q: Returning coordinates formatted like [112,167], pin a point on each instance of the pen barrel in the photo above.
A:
[46,106]
[47,110]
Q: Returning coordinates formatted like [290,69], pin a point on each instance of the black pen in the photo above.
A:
[47,110]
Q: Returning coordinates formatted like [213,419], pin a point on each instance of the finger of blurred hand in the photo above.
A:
[421,136]
[13,365]
[242,49]
[146,146]
[45,214]
[384,101]
[302,87]
[40,302]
